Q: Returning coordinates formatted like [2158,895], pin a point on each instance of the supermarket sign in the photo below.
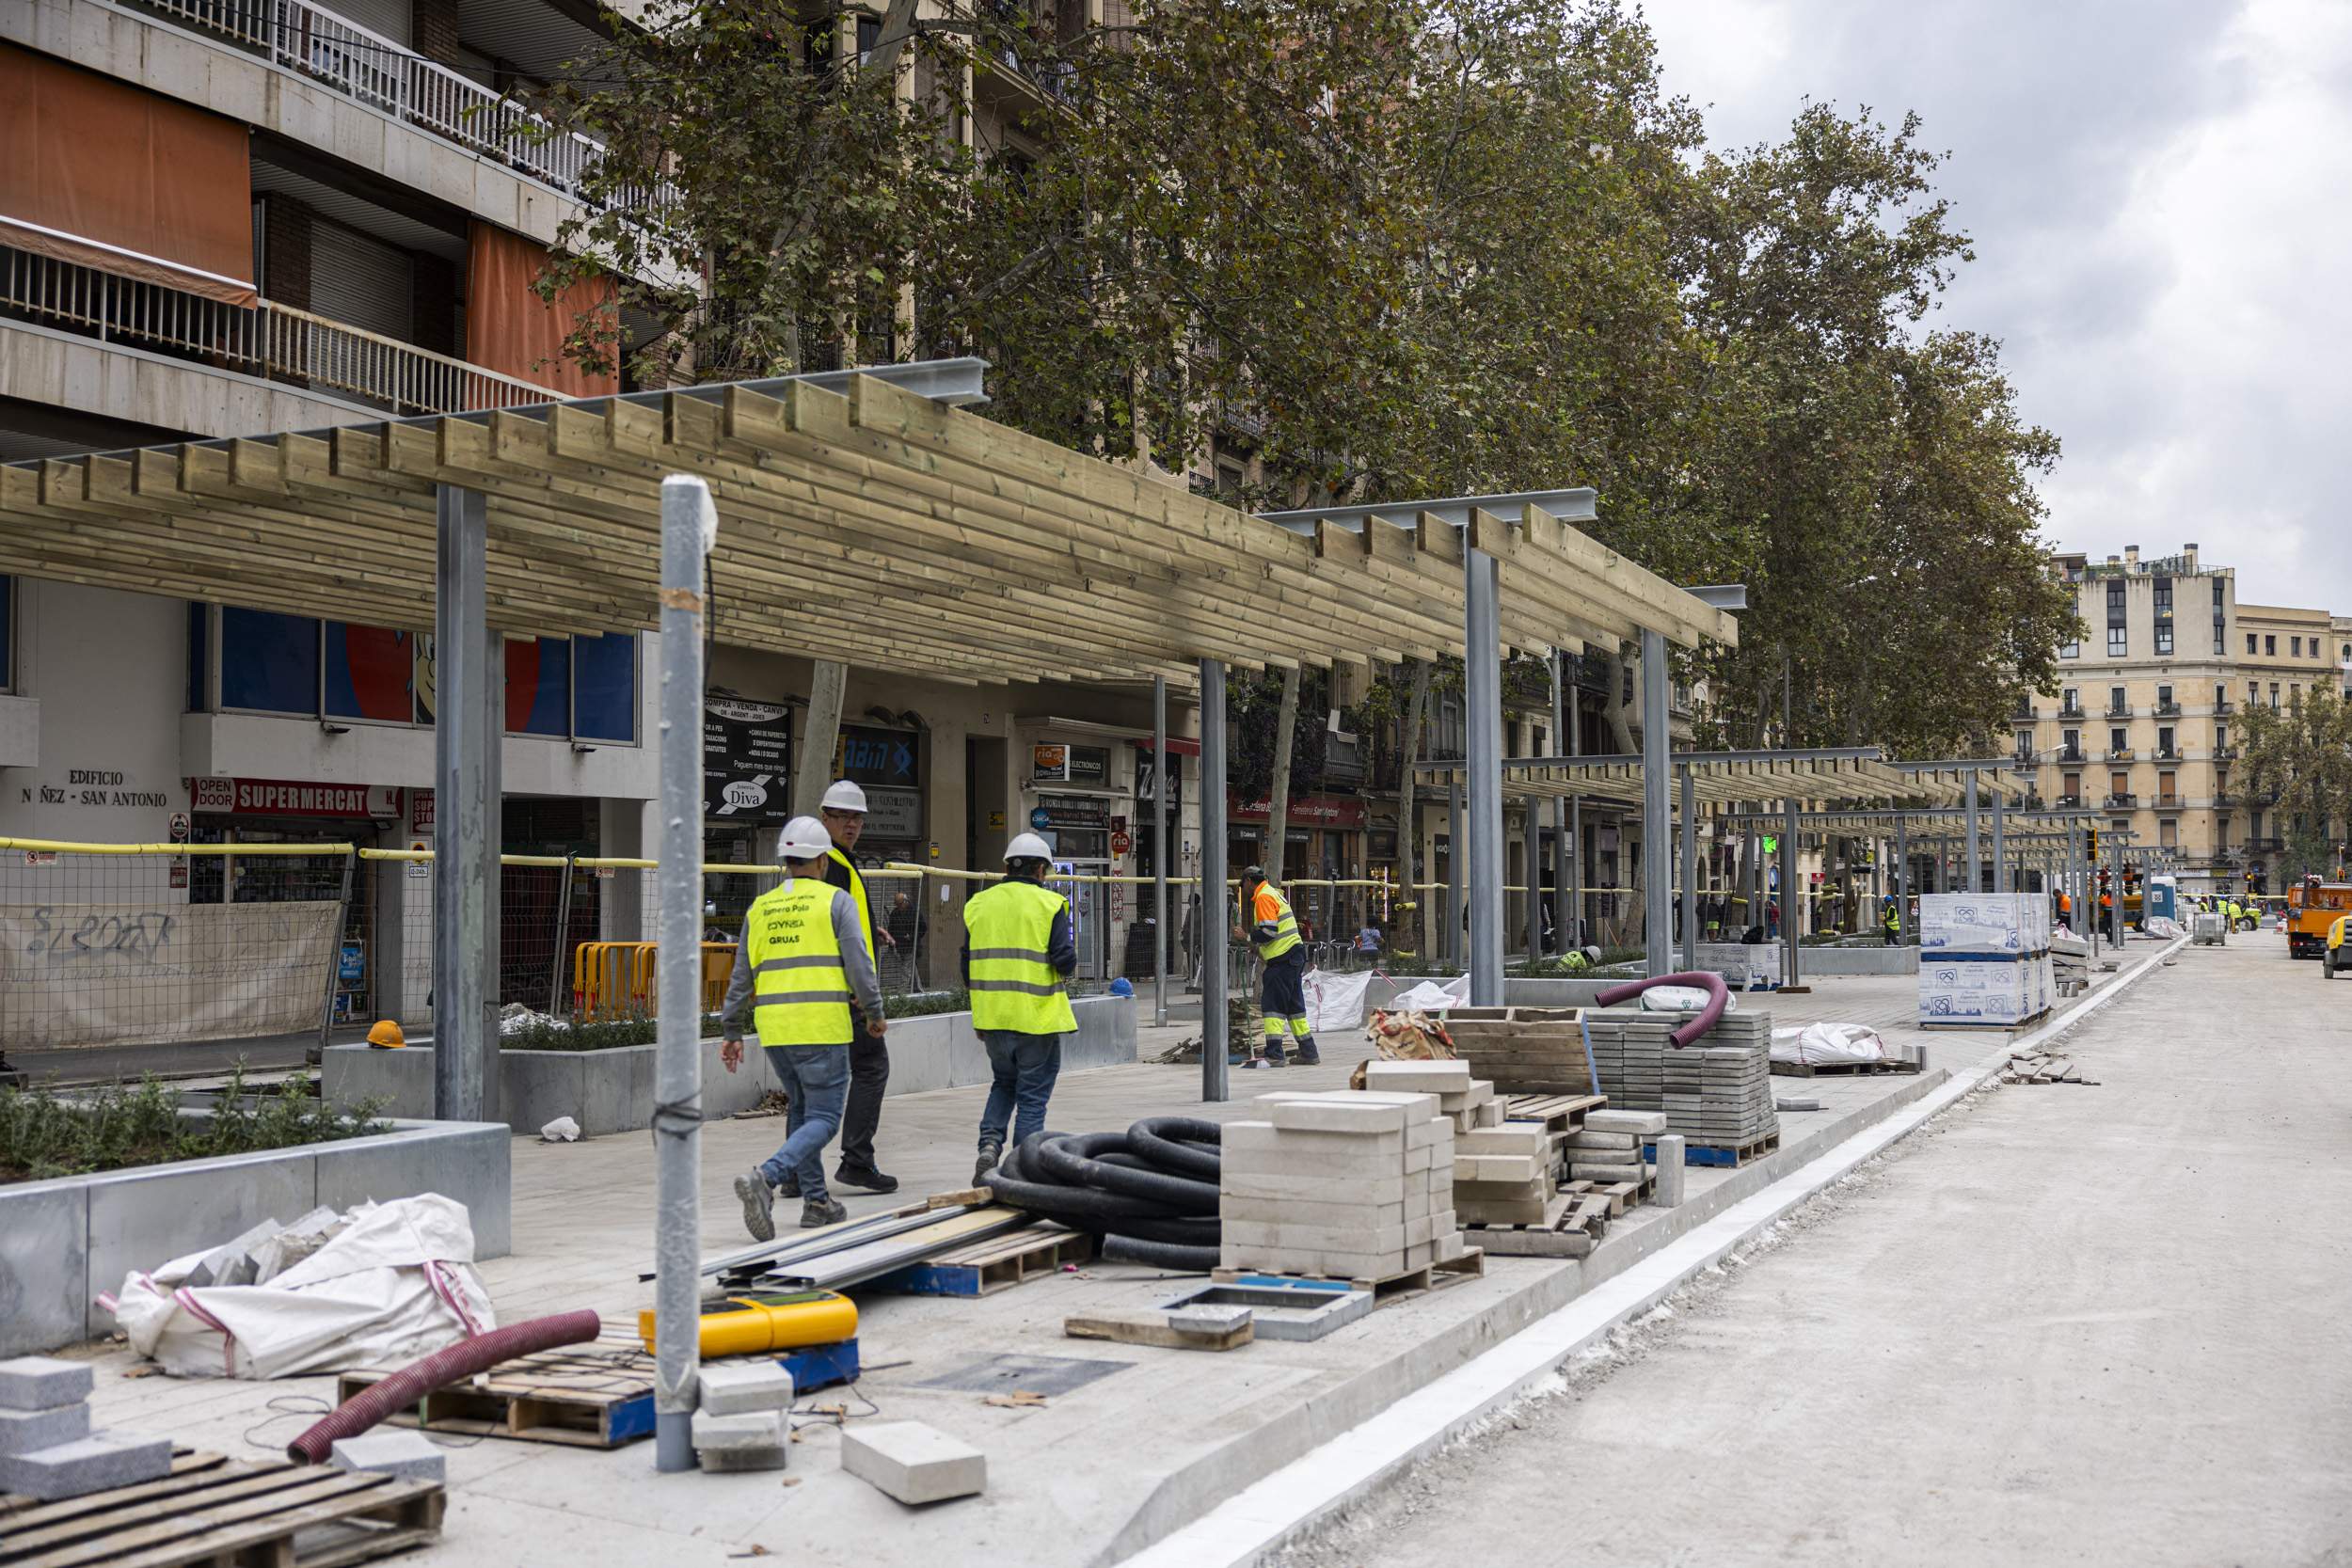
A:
[293,798]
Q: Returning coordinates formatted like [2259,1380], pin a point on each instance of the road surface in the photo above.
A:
[2060,1324]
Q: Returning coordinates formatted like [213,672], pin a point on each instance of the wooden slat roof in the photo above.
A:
[871,524]
[1729,781]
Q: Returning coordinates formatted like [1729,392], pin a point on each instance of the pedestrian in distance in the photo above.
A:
[1019,952]
[803,973]
[1273,931]
[844,813]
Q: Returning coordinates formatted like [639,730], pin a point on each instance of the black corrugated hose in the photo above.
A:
[1147,1194]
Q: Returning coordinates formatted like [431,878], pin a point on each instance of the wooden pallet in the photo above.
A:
[214,1509]
[1720,1154]
[1839,1069]
[986,1267]
[1618,1195]
[1573,1225]
[1472,1264]
[2043,1069]
[599,1395]
[1559,1113]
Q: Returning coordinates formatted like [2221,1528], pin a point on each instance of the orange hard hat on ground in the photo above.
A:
[385,1032]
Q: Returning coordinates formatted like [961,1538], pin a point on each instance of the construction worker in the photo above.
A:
[1891,923]
[807,976]
[1019,953]
[1283,995]
[844,811]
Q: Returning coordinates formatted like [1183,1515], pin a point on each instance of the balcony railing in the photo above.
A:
[2225,754]
[2122,802]
[272,341]
[2224,798]
[2167,710]
[2071,710]
[2224,706]
[2167,803]
[2119,710]
[2266,845]
[370,68]
[2070,802]
[2073,754]
[2120,753]
[2166,753]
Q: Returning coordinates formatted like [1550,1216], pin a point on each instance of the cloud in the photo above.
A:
[2155,189]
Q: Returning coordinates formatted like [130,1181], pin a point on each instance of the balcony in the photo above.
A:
[2120,753]
[2123,803]
[2119,710]
[2070,802]
[2167,710]
[2225,754]
[2266,846]
[2224,798]
[273,342]
[2071,710]
[2168,803]
[372,71]
[2074,755]
[2168,754]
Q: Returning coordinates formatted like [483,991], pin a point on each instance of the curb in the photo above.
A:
[1265,1516]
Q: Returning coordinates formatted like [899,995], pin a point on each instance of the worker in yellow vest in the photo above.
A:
[1019,953]
[844,811]
[801,967]
[1273,930]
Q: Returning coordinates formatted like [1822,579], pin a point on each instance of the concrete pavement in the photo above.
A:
[2058,1325]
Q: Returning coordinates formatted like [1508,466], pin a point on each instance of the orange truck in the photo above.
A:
[2312,909]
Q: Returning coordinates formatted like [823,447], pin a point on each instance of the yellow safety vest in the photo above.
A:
[800,990]
[856,890]
[1285,923]
[1014,986]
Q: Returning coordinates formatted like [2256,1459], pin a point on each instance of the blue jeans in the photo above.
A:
[817,1079]
[1025,1068]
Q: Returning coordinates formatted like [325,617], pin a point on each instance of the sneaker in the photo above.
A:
[866,1180]
[990,1155]
[818,1211]
[759,1206]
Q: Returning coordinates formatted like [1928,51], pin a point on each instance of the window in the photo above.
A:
[2251,641]
[2115,703]
[2274,696]
[2025,745]
[2073,786]
[2221,737]
[2164,740]
[2270,647]
[2164,596]
[2294,647]
[2072,702]
[2119,642]
[2164,697]
[2118,741]
[2073,745]
[2169,834]
[269,663]
[2294,696]
[2254,693]
[7,634]
[2119,784]
[2073,648]
[2167,787]
[2164,638]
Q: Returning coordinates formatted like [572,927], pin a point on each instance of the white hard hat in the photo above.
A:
[1028,846]
[842,795]
[804,839]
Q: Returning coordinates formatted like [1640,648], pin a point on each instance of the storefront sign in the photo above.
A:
[1078,765]
[894,814]
[1322,811]
[1148,783]
[1041,819]
[871,756]
[293,797]
[420,811]
[747,759]
[1070,810]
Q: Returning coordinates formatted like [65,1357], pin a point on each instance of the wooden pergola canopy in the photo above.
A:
[870,524]
[1732,779]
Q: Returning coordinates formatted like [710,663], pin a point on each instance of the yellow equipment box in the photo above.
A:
[760,1320]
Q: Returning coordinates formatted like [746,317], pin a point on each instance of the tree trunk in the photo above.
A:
[1408,829]
[1277,809]
[1620,725]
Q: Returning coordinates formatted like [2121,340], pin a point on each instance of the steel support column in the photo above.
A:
[467,706]
[1560,926]
[2000,848]
[1903,880]
[1657,832]
[1159,850]
[1690,870]
[1454,920]
[1791,970]
[1215,924]
[1576,830]
[1975,880]
[690,526]
[1481,701]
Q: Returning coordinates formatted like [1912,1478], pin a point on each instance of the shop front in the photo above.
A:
[1323,840]
[1073,799]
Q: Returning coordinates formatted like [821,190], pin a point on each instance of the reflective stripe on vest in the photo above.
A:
[1285,923]
[856,890]
[800,990]
[1014,985]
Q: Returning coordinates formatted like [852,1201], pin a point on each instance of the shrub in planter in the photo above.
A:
[45,1133]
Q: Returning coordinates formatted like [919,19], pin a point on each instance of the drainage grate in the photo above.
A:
[1035,1374]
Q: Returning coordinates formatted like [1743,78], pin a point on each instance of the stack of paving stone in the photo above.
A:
[1502,1170]
[743,1418]
[47,1449]
[1469,1102]
[1521,1050]
[1717,1092]
[1608,1147]
[1346,1186]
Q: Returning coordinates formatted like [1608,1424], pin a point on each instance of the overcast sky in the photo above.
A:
[2160,192]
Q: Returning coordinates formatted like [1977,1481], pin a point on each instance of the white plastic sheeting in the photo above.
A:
[1433,996]
[1683,999]
[396,1283]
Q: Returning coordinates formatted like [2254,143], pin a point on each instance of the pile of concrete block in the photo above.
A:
[1608,1147]
[48,1449]
[1467,1102]
[1984,958]
[1717,1092]
[1344,1185]
[743,1416]
[1501,1171]
[1521,1050]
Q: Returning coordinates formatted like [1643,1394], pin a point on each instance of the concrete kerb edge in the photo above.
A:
[1267,1515]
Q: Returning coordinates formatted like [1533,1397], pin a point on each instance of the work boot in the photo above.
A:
[1310,1057]
[865,1179]
[818,1211]
[759,1206]
[990,1155]
[788,1187]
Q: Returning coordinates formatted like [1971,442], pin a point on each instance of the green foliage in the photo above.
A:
[47,1132]
[922,1003]
[2298,761]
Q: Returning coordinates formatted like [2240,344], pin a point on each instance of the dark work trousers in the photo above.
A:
[869,1074]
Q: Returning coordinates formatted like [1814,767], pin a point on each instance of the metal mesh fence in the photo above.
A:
[165,944]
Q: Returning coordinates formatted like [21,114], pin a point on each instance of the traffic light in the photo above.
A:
[2094,844]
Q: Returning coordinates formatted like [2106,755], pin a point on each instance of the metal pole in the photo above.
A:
[1216,925]
[1903,880]
[2001,849]
[563,941]
[690,526]
[1560,926]
[1974,883]
[1533,861]
[335,950]
[464,852]
[1792,971]
[1657,832]
[1576,830]
[1690,871]
[1454,919]
[1160,767]
[1481,699]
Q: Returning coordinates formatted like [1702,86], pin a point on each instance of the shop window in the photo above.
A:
[7,634]
[371,673]
[604,688]
[269,663]
[538,686]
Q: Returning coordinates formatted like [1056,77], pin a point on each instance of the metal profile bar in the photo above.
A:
[1690,873]
[467,779]
[1160,766]
[1215,927]
[1656,851]
[1481,699]
[1570,506]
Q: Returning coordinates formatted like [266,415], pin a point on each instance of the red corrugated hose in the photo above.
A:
[1717,997]
[413,1382]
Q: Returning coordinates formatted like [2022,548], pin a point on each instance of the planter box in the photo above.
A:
[63,1242]
[612,1091]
